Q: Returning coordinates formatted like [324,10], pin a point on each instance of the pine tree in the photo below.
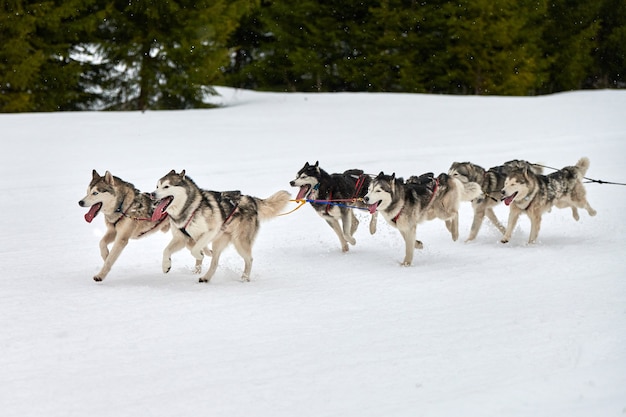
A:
[153,54]
[38,69]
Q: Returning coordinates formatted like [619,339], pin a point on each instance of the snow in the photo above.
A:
[470,329]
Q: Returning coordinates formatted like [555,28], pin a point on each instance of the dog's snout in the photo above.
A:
[81,203]
[366,199]
[292,183]
[153,195]
[503,191]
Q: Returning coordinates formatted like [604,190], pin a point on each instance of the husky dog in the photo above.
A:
[532,194]
[128,214]
[406,204]
[491,182]
[333,196]
[213,217]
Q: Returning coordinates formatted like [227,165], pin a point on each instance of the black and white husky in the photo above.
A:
[333,196]
[405,204]
[212,217]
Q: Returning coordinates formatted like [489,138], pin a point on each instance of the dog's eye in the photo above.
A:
[166,186]
[94,193]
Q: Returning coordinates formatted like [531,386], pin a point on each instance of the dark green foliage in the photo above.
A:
[166,54]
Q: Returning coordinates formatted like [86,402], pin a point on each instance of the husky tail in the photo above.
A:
[583,166]
[469,190]
[273,205]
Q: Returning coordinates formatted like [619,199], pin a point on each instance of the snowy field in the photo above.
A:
[471,329]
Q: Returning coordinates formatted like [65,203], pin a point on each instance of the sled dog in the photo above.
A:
[212,217]
[406,204]
[128,214]
[491,182]
[333,197]
[532,194]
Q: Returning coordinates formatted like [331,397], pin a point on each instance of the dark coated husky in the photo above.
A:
[212,217]
[333,197]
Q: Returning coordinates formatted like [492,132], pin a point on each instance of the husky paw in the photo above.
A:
[504,240]
[418,245]
[405,263]
[97,278]
[197,269]
[167,265]
[245,278]
[345,247]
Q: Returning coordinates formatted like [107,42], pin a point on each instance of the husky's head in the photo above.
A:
[101,192]
[516,186]
[462,171]
[380,192]
[169,188]
[307,178]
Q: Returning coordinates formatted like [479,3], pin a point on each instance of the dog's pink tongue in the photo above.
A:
[93,211]
[373,208]
[159,210]
[508,200]
[303,190]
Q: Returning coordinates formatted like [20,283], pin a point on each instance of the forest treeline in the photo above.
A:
[167,54]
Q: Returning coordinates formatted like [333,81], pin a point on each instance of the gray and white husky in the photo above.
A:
[128,214]
[491,182]
[532,194]
[333,196]
[406,204]
[212,217]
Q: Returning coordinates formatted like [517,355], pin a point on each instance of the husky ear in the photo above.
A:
[95,175]
[182,174]
[526,173]
[380,174]
[108,178]
[317,164]
[393,176]
[306,165]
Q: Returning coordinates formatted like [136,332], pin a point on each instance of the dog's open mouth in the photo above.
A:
[93,212]
[508,200]
[373,207]
[304,191]
[159,211]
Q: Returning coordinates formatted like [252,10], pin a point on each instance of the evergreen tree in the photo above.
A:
[37,69]
[610,56]
[154,54]
[570,36]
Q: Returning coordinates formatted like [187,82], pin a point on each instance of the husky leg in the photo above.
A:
[176,244]
[244,248]
[108,237]
[513,217]
[347,217]
[535,225]
[575,214]
[218,246]
[479,214]
[409,244]
[334,224]
[118,246]
[491,215]
[587,207]
[355,223]
[453,226]
[373,221]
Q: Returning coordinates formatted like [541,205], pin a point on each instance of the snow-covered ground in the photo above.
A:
[478,329]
